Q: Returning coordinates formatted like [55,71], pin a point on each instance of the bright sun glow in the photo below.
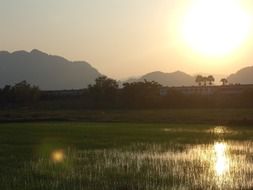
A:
[216,27]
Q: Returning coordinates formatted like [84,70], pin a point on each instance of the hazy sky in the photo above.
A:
[120,38]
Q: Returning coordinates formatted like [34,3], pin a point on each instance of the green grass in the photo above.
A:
[113,155]
[181,116]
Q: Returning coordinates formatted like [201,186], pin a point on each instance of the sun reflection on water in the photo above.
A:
[220,164]
[221,159]
[219,130]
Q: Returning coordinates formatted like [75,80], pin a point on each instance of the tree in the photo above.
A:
[6,95]
[21,94]
[210,79]
[141,94]
[205,80]
[199,79]
[224,81]
[104,92]
[104,82]
[24,93]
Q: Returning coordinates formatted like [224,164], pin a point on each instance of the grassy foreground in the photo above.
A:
[108,156]
[181,116]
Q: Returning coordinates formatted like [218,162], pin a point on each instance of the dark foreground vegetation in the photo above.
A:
[180,116]
[105,101]
[113,156]
[106,94]
[126,144]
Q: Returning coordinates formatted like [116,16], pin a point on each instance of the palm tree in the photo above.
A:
[199,79]
[210,79]
[224,81]
[205,79]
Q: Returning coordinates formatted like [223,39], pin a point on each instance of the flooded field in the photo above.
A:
[141,156]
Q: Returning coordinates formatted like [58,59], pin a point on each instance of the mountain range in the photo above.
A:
[51,72]
[177,78]
[46,71]
[243,76]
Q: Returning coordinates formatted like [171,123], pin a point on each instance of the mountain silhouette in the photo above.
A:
[243,76]
[177,78]
[46,71]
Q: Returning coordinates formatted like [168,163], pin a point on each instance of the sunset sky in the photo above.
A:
[124,38]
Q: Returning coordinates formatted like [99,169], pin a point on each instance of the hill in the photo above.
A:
[46,71]
[177,78]
[243,76]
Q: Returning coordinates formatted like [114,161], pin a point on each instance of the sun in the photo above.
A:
[216,27]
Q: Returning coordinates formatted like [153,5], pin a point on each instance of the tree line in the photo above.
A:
[106,93]
[21,94]
[209,80]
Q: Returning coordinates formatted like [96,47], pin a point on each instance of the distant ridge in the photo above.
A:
[49,72]
[177,78]
[243,76]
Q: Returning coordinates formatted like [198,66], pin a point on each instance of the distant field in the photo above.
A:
[112,156]
[190,116]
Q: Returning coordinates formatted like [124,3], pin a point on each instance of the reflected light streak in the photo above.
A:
[219,130]
[221,159]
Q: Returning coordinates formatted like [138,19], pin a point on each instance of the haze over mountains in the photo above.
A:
[243,76]
[46,71]
[56,73]
[177,78]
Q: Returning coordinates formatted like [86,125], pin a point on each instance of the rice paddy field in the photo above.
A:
[124,156]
